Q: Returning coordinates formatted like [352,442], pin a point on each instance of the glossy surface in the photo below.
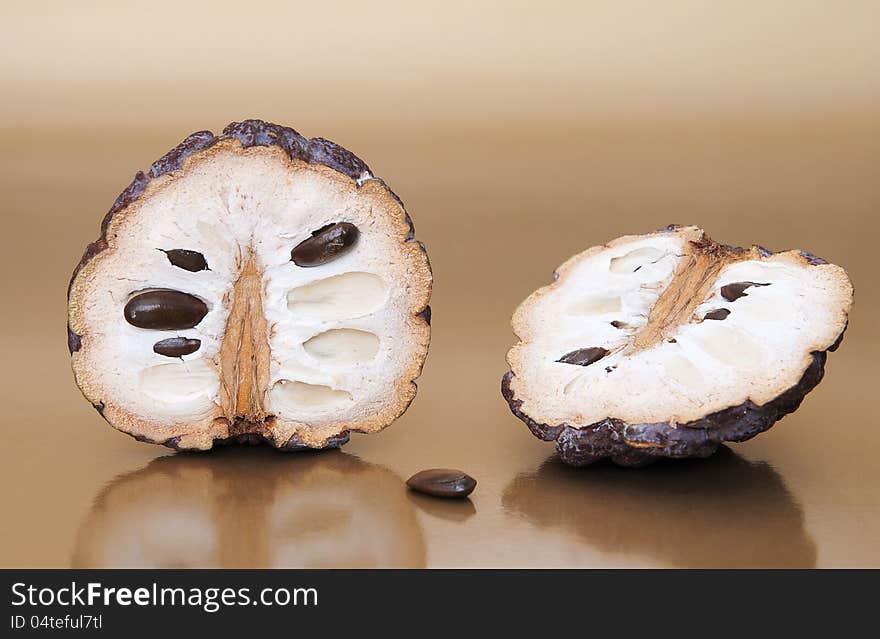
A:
[177,346]
[164,310]
[442,482]
[192,261]
[325,245]
[539,134]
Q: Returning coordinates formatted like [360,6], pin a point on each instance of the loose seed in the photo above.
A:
[442,482]
[192,261]
[177,346]
[165,309]
[584,356]
[326,244]
[732,292]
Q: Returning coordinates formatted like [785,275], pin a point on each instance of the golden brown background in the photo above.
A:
[517,133]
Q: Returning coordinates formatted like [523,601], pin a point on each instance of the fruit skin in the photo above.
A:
[637,445]
[249,133]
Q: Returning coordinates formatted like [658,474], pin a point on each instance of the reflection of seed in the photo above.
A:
[717,314]
[187,260]
[442,482]
[165,310]
[732,292]
[326,244]
[177,346]
[584,356]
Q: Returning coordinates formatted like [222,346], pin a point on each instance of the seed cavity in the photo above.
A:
[326,244]
[595,305]
[165,309]
[736,290]
[584,356]
[343,346]
[339,297]
[179,381]
[290,396]
[731,346]
[681,370]
[717,314]
[636,259]
[177,346]
[192,261]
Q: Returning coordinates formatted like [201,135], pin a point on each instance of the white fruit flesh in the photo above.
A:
[679,367]
[343,338]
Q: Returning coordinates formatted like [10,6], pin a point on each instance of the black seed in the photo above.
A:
[164,309]
[177,346]
[187,260]
[584,356]
[442,482]
[732,292]
[326,244]
[618,324]
[717,314]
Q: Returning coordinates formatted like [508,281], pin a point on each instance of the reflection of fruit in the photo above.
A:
[720,512]
[252,286]
[668,344]
[253,508]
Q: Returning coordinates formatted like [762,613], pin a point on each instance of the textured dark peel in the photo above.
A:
[295,443]
[74,341]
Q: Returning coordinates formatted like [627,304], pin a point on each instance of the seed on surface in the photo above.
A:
[192,261]
[164,309]
[717,314]
[732,292]
[326,244]
[177,346]
[584,356]
[442,482]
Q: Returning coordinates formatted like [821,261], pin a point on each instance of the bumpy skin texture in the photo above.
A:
[249,133]
[641,444]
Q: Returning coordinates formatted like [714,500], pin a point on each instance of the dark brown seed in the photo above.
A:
[442,482]
[177,346]
[619,324]
[732,292]
[187,260]
[326,244]
[584,356]
[164,309]
[717,314]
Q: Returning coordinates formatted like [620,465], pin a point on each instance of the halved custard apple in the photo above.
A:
[667,344]
[252,286]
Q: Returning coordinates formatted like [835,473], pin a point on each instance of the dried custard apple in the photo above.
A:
[667,344]
[251,286]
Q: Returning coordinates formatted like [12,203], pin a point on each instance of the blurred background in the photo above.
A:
[517,133]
